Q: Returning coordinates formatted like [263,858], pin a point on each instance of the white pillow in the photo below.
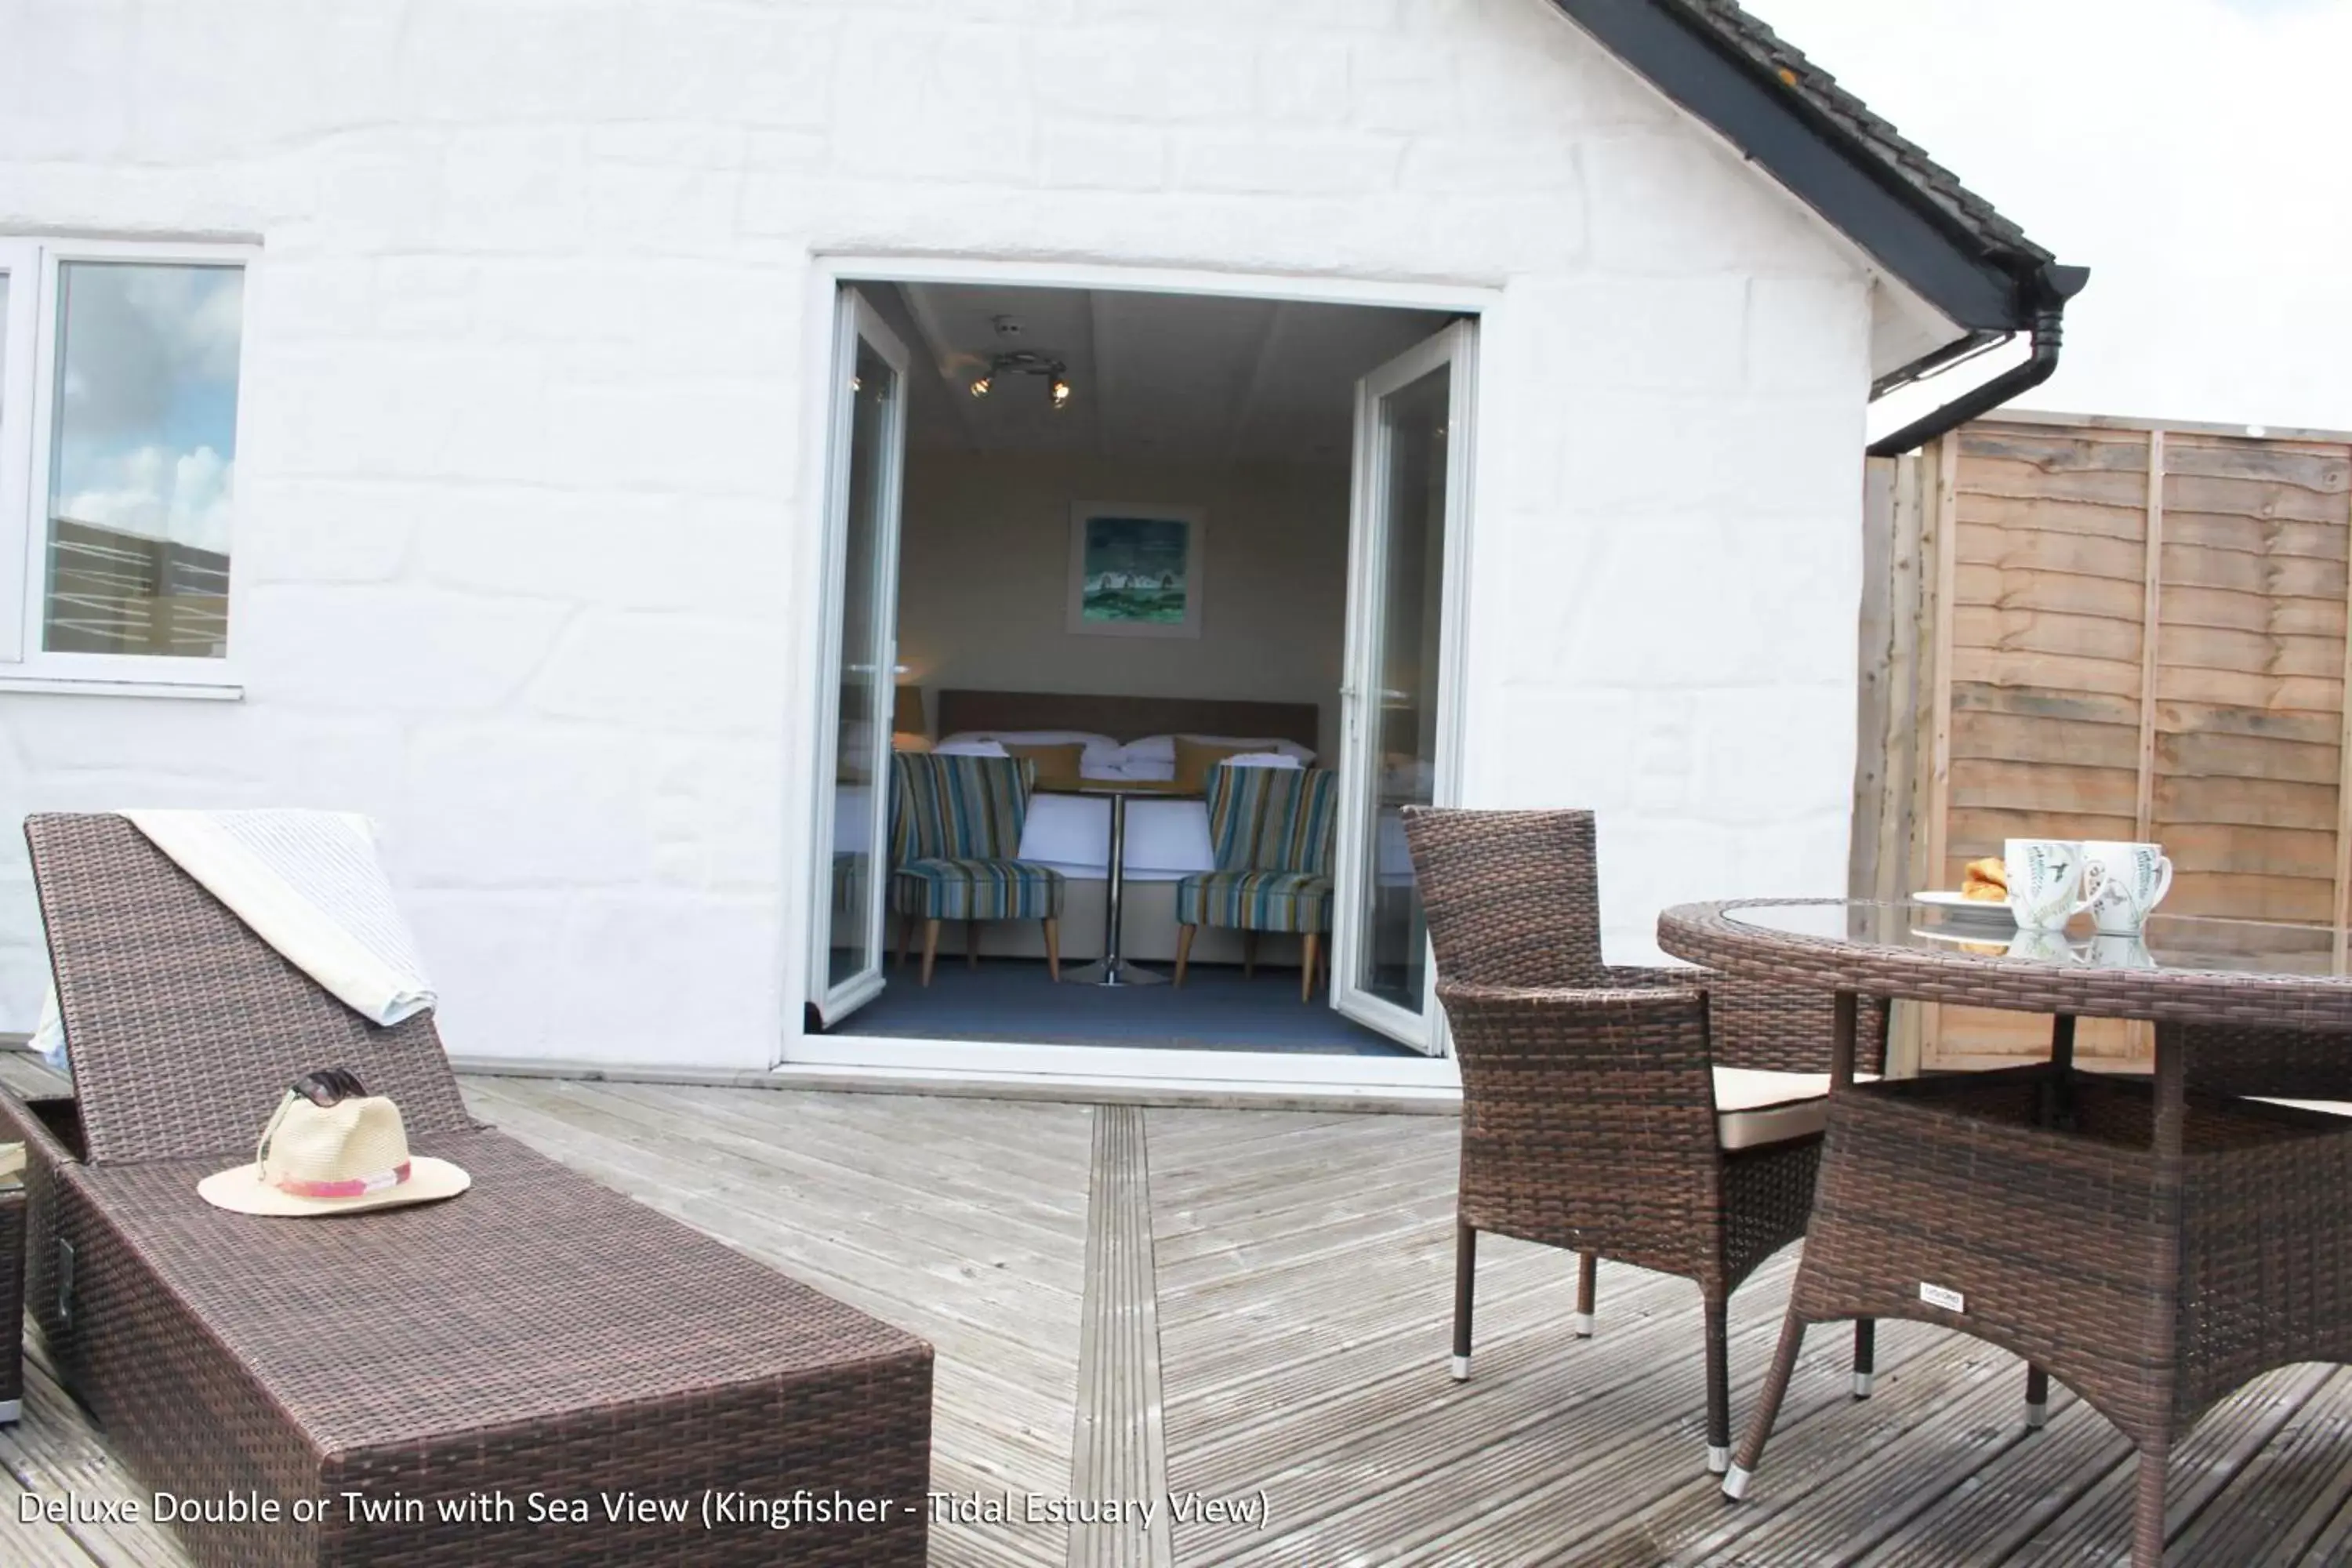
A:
[1261,759]
[1163,747]
[1147,768]
[1097,747]
[966,746]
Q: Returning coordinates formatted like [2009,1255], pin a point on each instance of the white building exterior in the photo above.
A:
[536,298]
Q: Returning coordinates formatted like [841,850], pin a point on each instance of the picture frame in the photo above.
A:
[1136,569]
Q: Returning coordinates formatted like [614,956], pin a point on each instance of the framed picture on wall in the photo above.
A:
[1135,570]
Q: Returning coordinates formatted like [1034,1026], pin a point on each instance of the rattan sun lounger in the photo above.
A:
[538,1335]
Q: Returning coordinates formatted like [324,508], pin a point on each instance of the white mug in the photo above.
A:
[2045,880]
[2132,880]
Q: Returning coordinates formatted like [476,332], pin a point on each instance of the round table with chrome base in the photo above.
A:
[1111,969]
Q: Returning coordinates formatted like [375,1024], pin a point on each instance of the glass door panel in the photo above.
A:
[853,813]
[1411,423]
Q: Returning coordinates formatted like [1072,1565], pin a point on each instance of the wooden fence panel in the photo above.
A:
[2250,687]
[2130,630]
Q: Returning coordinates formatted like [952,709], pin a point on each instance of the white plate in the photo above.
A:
[1959,907]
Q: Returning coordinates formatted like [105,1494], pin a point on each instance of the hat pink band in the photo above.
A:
[357,1187]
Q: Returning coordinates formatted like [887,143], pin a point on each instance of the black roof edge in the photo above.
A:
[1853,179]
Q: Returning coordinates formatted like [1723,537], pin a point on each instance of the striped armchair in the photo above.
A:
[1271,831]
[955,842]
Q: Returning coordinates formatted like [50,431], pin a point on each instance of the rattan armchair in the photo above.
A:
[1652,1116]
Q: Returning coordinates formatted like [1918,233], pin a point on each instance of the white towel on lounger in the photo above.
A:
[309,884]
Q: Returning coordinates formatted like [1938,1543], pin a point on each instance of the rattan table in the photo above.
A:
[2151,1244]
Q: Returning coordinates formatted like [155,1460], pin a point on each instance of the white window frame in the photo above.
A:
[27,421]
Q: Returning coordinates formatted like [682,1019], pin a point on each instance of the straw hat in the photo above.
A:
[330,1148]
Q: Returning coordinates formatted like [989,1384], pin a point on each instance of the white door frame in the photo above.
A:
[1040,1064]
[1455,346]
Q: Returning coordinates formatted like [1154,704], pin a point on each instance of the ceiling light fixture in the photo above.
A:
[1027,361]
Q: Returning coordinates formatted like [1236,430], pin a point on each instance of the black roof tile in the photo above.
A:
[1840,115]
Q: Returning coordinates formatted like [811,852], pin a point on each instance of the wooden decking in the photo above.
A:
[1245,1312]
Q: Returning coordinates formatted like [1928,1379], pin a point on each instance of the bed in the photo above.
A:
[1166,839]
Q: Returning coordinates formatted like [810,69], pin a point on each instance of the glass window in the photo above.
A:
[142,458]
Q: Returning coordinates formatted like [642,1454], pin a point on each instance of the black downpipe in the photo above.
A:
[2054,286]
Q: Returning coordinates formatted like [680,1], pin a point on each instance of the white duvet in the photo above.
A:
[1165,838]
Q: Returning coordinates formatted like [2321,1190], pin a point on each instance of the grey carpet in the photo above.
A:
[1217,1010]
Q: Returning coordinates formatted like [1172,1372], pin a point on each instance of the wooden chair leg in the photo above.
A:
[1718,1389]
[1183,950]
[1586,1275]
[1249,955]
[972,944]
[930,949]
[1768,1409]
[906,937]
[1865,1356]
[1306,969]
[1052,948]
[1465,1270]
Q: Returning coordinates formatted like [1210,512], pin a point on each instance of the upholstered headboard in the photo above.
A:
[1129,717]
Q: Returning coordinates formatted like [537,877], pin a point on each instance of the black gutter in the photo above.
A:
[1935,360]
[2054,286]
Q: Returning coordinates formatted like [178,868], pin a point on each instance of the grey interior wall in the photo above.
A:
[983,579]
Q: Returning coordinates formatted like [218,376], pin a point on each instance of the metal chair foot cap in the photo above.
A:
[1864,1382]
[11,1410]
[1718,1459]
[2036,1416]
[1462,1369]
[1735,1483]
[1582,1324]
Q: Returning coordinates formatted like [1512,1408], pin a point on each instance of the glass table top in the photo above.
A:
[2177,943]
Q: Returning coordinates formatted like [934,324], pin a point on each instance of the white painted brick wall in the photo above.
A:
[525,349]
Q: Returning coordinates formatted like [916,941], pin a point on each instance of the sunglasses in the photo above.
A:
[329,1086]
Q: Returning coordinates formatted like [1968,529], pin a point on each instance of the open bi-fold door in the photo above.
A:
[1401,710]
[866,463]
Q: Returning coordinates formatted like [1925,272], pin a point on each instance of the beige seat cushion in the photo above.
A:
[1753,1106]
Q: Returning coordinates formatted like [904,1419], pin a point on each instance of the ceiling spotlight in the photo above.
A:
[980,386]
[1061,393]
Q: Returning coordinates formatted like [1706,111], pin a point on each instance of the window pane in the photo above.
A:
[143,456]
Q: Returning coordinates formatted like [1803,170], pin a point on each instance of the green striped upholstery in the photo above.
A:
[1271,831]
[976,890]
[955,829]
[958,809]
[1273,819]
[1255,901]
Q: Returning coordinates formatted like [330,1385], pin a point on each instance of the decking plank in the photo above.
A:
[1297,1287]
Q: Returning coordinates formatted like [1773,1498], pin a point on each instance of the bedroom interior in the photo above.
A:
[1122,581]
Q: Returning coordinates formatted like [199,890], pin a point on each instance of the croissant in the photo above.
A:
[1986,880]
